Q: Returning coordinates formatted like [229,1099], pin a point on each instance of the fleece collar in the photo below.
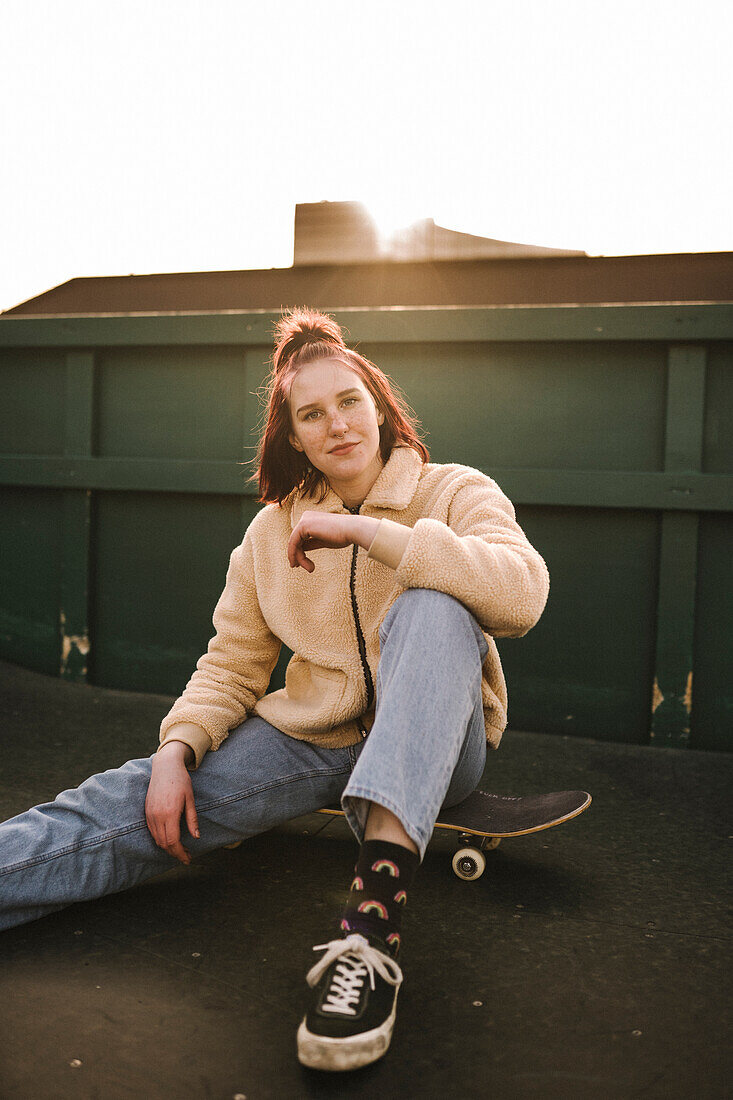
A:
[393,489]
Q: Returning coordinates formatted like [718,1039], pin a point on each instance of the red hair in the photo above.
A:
[302,336]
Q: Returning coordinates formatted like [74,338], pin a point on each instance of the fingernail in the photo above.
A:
[197,833]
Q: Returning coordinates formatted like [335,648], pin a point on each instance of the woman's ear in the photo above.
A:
[294,442]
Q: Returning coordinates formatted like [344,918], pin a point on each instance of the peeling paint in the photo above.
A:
[77,642]
[657,696]
[687,700]
[80,642]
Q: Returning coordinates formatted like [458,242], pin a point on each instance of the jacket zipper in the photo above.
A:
[359,635]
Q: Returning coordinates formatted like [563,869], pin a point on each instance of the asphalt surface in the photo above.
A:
[591,960]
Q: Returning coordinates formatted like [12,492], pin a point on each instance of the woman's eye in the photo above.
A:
[314,412]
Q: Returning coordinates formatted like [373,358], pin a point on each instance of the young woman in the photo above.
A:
[388,576]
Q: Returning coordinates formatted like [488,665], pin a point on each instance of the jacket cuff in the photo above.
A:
[390,542]
[193,736]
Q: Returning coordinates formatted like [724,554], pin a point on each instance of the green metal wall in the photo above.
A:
[122,492]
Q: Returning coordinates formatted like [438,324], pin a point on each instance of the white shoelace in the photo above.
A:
[358,958]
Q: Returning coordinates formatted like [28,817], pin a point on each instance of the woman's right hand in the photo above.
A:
[170,796]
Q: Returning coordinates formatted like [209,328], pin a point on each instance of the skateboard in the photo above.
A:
[483,819]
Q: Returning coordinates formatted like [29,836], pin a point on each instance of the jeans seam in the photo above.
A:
[283,781]
[136,826]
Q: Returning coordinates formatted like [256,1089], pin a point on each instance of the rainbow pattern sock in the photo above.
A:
[382,877]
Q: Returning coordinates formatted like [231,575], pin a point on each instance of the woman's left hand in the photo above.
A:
[327,530]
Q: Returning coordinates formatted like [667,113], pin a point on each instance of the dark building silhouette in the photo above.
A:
[341,261]
[345,232]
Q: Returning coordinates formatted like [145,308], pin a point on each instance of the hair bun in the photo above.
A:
[300,327]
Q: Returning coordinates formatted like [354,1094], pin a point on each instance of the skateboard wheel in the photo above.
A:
[489,843]
[469,864]
[234,845]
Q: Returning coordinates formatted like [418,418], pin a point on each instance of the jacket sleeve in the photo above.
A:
[481,556]
[234,672]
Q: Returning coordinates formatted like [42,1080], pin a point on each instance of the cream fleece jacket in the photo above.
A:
[442,526]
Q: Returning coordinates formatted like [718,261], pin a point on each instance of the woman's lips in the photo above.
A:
[343,450]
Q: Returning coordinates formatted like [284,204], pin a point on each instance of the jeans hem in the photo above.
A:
[415,834]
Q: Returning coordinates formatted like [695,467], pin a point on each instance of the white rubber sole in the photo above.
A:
[322,1052]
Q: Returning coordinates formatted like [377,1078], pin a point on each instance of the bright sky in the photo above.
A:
[177,135]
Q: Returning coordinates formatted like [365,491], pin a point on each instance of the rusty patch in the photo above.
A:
[687,699]
[657,696]
[79,642]
[69,642]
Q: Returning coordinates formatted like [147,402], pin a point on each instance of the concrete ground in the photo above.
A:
[588,961]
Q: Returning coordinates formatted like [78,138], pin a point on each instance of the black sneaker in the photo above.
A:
[354,1006]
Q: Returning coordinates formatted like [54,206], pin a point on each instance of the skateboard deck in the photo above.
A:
[483,819]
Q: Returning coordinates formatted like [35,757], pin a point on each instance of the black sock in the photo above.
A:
[382,877]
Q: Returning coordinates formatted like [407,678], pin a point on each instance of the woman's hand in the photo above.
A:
[321,530]
[170,794]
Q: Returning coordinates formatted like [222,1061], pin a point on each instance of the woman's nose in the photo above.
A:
[338,424]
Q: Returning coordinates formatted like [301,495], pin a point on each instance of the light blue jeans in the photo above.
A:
[427,748]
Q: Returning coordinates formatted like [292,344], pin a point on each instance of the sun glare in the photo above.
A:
[392,214]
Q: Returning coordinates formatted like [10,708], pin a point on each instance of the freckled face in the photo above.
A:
[330,406]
